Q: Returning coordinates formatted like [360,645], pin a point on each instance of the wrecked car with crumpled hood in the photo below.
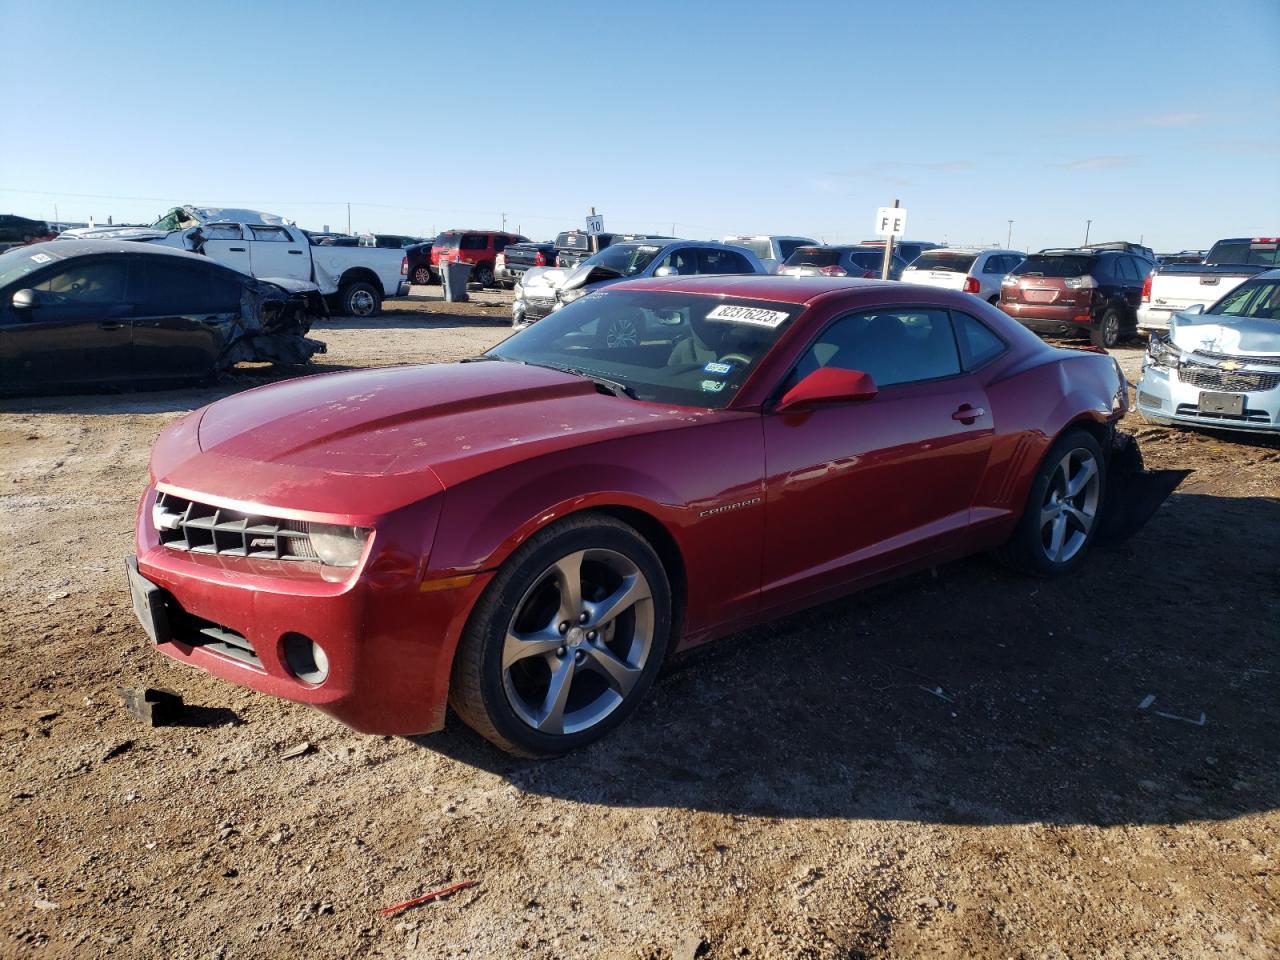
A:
[110,313]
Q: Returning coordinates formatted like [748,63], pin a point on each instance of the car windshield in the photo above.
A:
[624,259]
[20,261]
[813,257]
[950,262]
[1262,253]
[1038,265]
[760,246]
[682,348]
[1253,298]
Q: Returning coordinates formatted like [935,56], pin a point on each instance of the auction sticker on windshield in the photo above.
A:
[757,316]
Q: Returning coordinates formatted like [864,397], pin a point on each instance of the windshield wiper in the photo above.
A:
[612,386]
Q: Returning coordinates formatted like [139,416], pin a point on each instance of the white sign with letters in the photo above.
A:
[595,224]
[891,221]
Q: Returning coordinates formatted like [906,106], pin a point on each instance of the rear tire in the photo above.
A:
[1063,511]
[360,299]
[566,640]
[1107,333]
[484,275]
[422,275]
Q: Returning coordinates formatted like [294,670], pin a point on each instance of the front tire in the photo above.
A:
[1063,509]
[566,640]
[360,299]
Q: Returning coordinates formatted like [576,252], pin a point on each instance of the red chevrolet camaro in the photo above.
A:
[528,535]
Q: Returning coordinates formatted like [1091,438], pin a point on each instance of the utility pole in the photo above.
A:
[1088,224]
[348,218]
[888,251]
[504,223]
[1008,240]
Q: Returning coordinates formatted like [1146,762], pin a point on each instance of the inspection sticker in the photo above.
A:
[41,257]
[715,366]
[712,386]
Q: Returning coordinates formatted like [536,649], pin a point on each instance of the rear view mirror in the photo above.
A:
[828,385]
[1195,308]
[25,300]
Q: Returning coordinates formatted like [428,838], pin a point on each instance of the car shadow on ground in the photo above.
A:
[243,377]
[974,696]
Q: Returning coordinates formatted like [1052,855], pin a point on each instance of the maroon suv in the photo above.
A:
[1091,291]
[480,248]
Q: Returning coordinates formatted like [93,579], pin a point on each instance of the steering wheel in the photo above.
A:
[736,358]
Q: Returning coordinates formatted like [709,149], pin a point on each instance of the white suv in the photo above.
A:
[974,271]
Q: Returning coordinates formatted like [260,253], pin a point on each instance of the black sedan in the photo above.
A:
[107,313]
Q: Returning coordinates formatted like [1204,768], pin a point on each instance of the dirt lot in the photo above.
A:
[952,766]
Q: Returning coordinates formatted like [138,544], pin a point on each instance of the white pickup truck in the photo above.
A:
[1177,286]
[355,280]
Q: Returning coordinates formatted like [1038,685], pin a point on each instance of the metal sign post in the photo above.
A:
[890,222]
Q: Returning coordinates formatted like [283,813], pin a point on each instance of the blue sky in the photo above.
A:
[1159,120]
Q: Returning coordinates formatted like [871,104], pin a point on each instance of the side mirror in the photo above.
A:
[665,272]
[25,300]
[828,385]
[1194,308]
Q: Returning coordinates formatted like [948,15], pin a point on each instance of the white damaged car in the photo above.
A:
[1218,367]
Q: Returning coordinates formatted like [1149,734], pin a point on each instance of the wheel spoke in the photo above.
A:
[1083,520]
[632,590]
[552,718]
[620,675]
[1088,469]
[1057,536]
[1048,513]
[569,579]
[519,646]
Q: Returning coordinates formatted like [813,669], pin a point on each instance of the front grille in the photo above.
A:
[203,528]
[1249,416]
[1235,381]
[1239,358]
[220,639]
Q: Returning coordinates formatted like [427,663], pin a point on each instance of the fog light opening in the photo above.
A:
[306,659]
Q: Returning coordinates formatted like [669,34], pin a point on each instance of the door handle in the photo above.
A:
[110,325]
[235,249]
[296,253]
[968,413]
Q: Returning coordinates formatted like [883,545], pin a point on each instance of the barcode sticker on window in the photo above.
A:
[757,316]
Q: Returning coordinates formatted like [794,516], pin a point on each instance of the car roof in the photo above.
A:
[67,249]
[758,286]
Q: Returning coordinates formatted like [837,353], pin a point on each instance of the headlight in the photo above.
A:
[568,296]
[1163,353]
[338,546]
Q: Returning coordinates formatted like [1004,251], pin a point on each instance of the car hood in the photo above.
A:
[1255,336]
[400,433]
[542,281]
[112,233]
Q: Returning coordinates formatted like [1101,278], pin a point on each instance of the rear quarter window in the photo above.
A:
[977,343]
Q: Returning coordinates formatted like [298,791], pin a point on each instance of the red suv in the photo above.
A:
[477,247]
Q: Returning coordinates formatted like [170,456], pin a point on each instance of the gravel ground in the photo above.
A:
[954,765]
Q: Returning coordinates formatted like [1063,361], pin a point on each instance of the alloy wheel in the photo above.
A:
[1070,505]
[361,303]
[578,641]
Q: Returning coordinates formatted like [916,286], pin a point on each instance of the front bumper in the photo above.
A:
[1164,398]
[388,636]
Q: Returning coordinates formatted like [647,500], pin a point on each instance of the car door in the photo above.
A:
[855,489]
[276,252]
[226,243]
[78,333]
[185,310]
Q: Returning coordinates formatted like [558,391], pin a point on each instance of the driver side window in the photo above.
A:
[898,346]
[85,282]
[682,262]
